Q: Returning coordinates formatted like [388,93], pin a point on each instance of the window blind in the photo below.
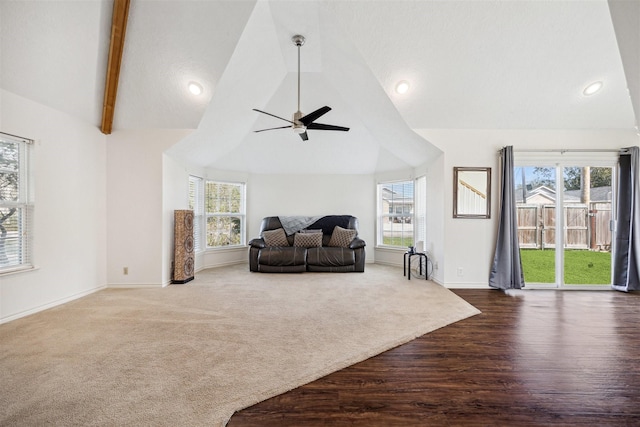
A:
[196,203]
[420,212]
[16,206]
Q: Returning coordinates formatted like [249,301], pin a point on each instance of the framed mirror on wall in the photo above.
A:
[471,192]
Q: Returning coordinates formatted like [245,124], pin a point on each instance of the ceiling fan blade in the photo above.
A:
[281,127]
[304,136]
[320,126]
[306,120]
[272,115]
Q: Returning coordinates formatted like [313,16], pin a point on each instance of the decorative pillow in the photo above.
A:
[311,231]
[275,237]
[307,240]
[341,237]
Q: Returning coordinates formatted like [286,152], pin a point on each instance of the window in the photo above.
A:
[225,214]
[396,214]
[196,204]
[16,208]
[420,213]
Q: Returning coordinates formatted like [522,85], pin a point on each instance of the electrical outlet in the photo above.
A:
[435,266]
[125,271]
[460,271]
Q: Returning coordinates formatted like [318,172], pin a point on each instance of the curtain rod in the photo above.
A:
[566,150]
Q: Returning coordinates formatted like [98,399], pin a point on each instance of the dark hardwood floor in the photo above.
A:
[531,358]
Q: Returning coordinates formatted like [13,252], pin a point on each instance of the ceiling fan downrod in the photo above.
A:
[298,40]
[298,126]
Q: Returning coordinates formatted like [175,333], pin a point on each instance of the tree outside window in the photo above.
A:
[225,211]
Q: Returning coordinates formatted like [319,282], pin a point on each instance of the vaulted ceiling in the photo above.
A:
[470,65]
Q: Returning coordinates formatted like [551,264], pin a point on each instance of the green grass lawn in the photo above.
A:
[404,242]
[582,267]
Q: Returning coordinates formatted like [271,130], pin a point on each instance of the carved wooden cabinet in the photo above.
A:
[183,258]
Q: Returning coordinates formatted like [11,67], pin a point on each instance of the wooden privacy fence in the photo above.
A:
[586,226]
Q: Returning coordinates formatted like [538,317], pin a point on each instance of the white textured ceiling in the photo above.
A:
[167,45]
[471,65]
[495,64]
[56,52]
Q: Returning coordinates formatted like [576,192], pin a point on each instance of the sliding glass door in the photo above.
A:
[564,222]
[535,207]
[587,204]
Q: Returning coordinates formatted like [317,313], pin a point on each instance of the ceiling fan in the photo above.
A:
[301,123]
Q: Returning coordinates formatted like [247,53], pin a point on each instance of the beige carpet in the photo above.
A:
[194,354]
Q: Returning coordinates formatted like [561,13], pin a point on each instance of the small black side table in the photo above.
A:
[407,268]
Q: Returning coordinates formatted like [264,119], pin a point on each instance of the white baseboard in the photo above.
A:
[222,264]
[134,285]
[50,305]
[390,264]
[469,285]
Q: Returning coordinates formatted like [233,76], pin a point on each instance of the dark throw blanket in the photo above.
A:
[329,222]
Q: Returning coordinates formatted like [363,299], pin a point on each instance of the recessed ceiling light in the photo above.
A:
[195,88]
[402,87]
[592,88]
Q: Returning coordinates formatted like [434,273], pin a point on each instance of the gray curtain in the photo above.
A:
[506,272]
[627,245]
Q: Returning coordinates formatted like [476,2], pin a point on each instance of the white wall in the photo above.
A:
[469,243]
[272,195]
[70,200]
[175,190]
[434,245]
[136,213]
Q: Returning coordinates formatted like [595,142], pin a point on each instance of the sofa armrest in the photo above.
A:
[257,243]
[357,243]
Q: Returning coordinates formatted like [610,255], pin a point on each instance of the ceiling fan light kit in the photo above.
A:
[298,127]
[300,123]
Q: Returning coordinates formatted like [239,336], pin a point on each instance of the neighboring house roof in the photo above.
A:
[541,191]
[598,194]
[404,193]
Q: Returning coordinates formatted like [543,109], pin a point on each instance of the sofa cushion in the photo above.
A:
[275,237]
[330,257]
[341,237]
[307,240]
[331,268]
[281,268]
[282,256]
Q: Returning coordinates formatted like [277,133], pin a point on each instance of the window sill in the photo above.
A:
[392,248]
[225,248]
[18,270]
